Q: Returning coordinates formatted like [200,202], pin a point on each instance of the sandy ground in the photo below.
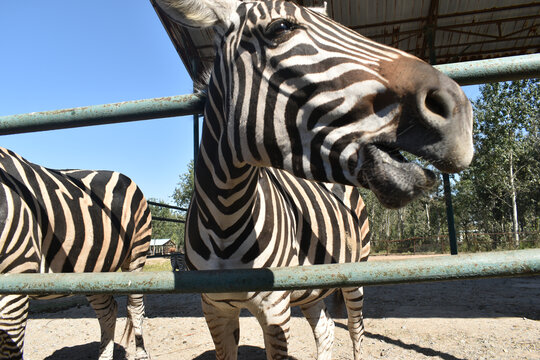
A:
[474,319]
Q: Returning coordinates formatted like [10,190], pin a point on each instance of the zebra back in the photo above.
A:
[69,220]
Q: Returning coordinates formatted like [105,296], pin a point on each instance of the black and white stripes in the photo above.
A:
[296,101]
[69,221]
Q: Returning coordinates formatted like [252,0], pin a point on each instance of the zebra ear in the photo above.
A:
[323,10]
[199,13]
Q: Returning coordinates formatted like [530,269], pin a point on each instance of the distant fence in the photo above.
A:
[467,242]
[158,218]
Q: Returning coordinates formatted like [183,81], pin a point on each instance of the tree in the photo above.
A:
[499,193]
[182,197]
[501,186]
[184,191]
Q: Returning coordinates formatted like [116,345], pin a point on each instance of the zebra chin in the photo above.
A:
[393,179]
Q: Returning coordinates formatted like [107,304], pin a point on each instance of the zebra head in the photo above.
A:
[294,90]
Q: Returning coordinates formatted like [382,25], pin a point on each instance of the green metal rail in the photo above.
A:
[179,105]
[465,73]
[493,70]
[436,268]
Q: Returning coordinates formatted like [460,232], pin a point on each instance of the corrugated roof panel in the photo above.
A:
[464,29]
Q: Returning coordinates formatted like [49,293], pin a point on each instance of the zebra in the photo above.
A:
[70,221]
[300,111]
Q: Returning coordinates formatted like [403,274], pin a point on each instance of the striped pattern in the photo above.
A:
[252,217]
[69,221]
[296,101]
[304,121]
[289,222]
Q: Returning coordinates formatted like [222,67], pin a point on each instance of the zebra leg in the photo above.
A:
[13,314]
[354,301]
[273,311]
[134,321]
[106,309]
[322,326]
[223,323]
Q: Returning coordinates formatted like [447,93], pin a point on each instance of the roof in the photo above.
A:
[159,242]
[458,30]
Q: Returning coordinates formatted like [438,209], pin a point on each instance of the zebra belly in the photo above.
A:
[244,299]
[48,297]
[308,296]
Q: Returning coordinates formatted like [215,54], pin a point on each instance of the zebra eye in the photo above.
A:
[278,28]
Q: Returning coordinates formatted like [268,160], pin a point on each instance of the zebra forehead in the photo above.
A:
[254,14]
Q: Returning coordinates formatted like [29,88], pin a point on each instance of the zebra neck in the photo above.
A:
[225,192]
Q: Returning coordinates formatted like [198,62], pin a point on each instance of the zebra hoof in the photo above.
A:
[142,356]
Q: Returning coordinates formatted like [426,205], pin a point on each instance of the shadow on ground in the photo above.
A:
[484,298]
[88,351]
[244,352]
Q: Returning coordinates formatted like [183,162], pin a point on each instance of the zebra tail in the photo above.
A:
[128,333]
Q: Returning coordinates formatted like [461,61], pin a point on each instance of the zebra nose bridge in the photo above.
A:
[439,103]
[441,109]
[437,100]
[444,108]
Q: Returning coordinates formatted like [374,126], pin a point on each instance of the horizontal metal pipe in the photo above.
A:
[436,268]
[465,73]
[166,205]
[170,106]
[493,70]
[158,218]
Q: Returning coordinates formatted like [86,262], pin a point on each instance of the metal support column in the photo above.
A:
[194,68]
[430,37]
[195,137]
[450,214]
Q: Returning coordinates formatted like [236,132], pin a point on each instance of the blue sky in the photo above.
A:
[57,54]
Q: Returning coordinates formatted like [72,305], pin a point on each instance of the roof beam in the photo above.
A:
[445,16]
[428,43]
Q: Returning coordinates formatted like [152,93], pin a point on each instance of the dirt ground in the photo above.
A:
[473,319]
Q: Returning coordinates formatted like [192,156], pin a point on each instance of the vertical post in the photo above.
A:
[195,137]
[450,215]
[430,37]
[195,118]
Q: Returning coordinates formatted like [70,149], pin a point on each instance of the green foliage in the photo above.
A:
[182,198]
[507,123]
[506,136]
[183,192]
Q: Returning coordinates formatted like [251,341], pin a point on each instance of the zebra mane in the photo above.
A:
[200,83]
[323,10]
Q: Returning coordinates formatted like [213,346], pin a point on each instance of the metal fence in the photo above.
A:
[468,242]
[457,267]
[495,264]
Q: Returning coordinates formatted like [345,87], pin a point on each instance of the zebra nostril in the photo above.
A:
[383,100]
[436,102]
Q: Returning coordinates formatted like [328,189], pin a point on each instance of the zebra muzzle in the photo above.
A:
[392,178]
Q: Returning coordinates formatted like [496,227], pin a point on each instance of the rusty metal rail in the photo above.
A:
[127,111]
[493,70]
[436,268]
[465,73]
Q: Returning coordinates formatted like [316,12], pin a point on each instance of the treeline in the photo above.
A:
[495,201]
[181,197]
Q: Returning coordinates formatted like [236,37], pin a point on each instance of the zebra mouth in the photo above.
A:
[391,177]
